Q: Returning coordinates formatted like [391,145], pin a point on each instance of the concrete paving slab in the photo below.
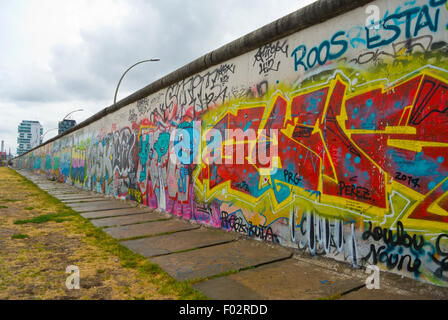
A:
[222,287]
[48,184]
[165,244]
[80,193]
[127,220]
[62,188]
[382,294]
[290,279]
[62,192]
[79,197]
[109,200]
[84,200]
[99,206]
[68,192]
[114,213]
[50,188]
[58,195]
[149,229]
[53,188]
[221,258]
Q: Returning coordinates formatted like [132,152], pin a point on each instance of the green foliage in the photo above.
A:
[55,217]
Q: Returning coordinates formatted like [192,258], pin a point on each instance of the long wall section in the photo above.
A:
[339,146]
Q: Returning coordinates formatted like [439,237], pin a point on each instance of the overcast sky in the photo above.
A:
[58,56]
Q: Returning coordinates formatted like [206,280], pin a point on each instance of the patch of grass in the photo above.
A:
[150,271]
[10,200]
[35,274]
[55,217]
[29,208]
[3,207]
[129,264]
[146,270]
[20,236]
[332,297]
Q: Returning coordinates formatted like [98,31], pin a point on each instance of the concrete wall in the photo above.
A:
[357,114]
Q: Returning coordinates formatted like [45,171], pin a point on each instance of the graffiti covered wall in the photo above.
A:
[343,128]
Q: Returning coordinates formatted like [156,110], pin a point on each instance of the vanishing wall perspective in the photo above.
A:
[361,115]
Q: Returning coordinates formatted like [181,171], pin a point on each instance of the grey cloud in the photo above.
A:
[86,74]
[28,84]
[175,31]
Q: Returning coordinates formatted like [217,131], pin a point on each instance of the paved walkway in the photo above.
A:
[225,265]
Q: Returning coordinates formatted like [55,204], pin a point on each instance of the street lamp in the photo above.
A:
[71,113]
[119,82]
[63,126]
[42,138]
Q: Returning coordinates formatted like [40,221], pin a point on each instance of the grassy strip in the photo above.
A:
[332,297]
[20,236]
[55,217]
[10,200]
[150,271]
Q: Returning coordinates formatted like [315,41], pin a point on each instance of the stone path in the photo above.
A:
[224,265]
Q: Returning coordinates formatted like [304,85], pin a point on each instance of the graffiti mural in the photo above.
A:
[332,140]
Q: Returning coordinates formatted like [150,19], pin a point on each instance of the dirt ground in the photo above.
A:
[34,254]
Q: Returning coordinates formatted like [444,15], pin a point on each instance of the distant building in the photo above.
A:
[3,159]
[30,136]
[64,125]
[3,154]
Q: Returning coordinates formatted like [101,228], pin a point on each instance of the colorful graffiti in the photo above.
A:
[346,146]
[339,150]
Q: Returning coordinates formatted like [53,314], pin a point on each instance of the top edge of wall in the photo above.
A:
[303,18]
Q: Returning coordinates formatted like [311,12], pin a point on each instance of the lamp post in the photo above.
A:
[119,82]
[71,113]
[42,138]
[65,126]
